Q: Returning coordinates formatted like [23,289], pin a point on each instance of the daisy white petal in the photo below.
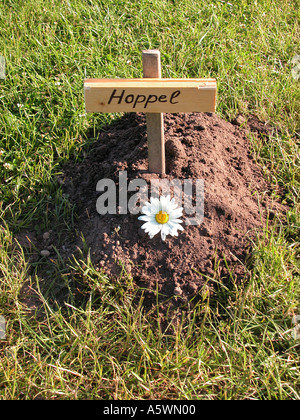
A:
[146,211]
[153,230]
[176,213]
[164,201]
[145,218]
[154,202]
[177,220]
[175,225]
[164,232]
[148,226]
[178,227]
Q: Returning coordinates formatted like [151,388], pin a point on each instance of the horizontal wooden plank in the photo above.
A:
[150,95]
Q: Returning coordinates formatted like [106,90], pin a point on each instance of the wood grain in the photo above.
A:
[150,95]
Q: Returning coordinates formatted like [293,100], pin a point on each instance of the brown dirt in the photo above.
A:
[198,146]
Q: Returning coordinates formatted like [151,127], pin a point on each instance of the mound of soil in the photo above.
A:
[198,146]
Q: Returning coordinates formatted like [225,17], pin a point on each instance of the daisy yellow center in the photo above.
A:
[162,217]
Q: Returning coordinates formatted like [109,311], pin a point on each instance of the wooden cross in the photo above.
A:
[154,96]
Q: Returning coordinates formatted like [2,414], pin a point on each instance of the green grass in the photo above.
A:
[238,344]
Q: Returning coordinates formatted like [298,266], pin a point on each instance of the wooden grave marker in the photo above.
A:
[154,96]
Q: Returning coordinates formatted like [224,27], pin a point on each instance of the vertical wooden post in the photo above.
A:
[155,121]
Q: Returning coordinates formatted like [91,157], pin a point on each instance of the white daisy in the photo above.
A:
[161,215]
